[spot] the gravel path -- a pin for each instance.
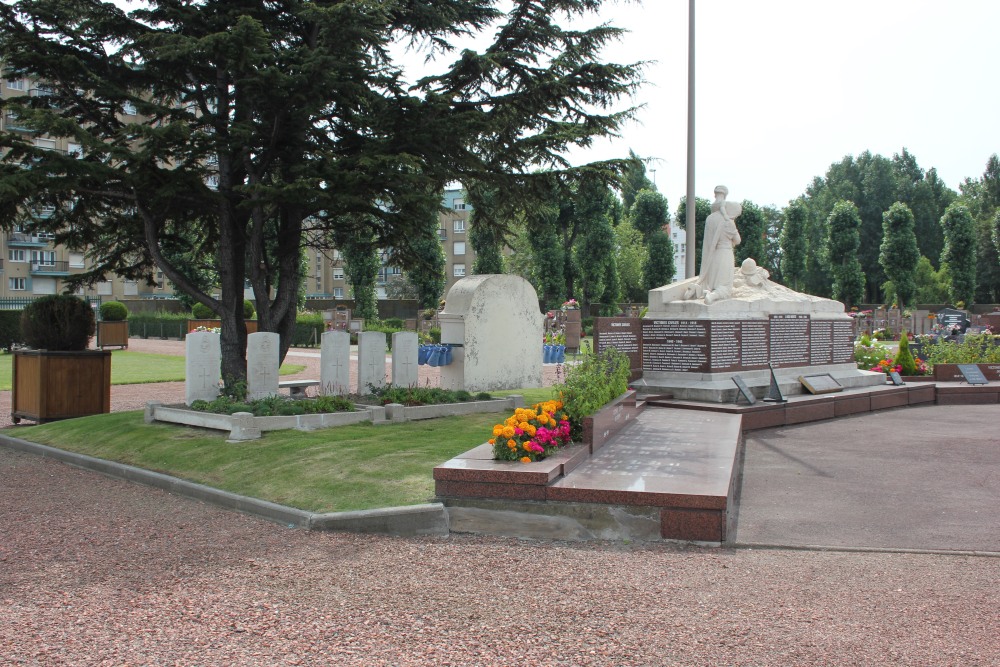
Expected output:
(96, 571)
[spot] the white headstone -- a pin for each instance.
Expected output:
(404, 358)
(202, 366)
(335, 363)
(262, 364)
(371, 360)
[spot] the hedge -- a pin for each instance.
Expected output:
(10, 328)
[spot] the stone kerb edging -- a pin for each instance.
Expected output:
(244, 426)
(406, 521)
(396, 412)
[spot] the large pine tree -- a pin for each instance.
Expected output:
(264, 127)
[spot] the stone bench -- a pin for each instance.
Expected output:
(297, 388)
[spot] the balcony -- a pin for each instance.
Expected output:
(22, 239)
(13, 123)
(52, 268)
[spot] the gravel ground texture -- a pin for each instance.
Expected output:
(96, 571)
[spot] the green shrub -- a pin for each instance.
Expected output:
(274, 406)
(61, 322)
(413, 396)
(976, 349)
(904, 359)
(595, 381)
(114, 311)
(435, 334)
(202, 312)
(10, 328)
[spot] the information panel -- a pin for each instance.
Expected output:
(675, 346)
(789, 340)
(625, 335)
(820, 342)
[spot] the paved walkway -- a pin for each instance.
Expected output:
(923, 477)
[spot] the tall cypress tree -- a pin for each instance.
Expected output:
(844, 225)
(960, 253)
(899, 253)
(793, 245)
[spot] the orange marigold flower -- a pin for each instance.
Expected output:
(492, 441)
(525, 459)
(498, 429)
(508, 431)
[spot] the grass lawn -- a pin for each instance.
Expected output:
(332, 470)
(138, 368)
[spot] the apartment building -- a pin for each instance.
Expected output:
(31, 264)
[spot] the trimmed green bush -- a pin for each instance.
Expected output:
(904, 358)
(114, 311)
(60, 322)
(10, 328)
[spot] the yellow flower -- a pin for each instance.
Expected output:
(523, 426)
(530, 430)
(498, 429)
(511, 444)
(508, 431)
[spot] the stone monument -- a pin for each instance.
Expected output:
(495, 327)
(371, 360)
(405, 348)
(701, 332)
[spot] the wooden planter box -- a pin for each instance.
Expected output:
(59, 385)
(211, 324)
(112, 334)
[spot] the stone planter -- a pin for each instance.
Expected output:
(396, 412)
(112, 334)
(607, 422)
(244, 426)
(950, 372)
(49, 385)
(211, 324)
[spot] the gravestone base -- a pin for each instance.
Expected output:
(720, 388)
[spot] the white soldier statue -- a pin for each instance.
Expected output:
(715, 280)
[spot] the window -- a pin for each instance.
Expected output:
(16, 284)
(104, 288)
(47, 144)
(459, 270)
(442, 233)
(337, 255)
(16, 256)
(43, 257)
(338, 292)
(76, 260)
(338, 273)
(458, 204)
(459, 248)
(128, 108)
(459, 226)
(15, 84)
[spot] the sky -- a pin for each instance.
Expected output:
(785, 88)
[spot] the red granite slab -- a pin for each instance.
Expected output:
(890, 398)
(458, 489)
(696, 525)
(610, 420)
(851, 404)
(668, 458)
(767, 416)
(922, 393)
(477, 465)
(968, 394)
(809, 411)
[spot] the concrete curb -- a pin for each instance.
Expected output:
(408, 521)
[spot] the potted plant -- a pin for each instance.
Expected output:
(112, 329)
(59, 377)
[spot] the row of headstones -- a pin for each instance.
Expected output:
(203, 363)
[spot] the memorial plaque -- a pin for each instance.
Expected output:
(754, 348)
(820, 342)
(744, 390)
(674, 345)
(843, 342)
(789, 340)
(774, 394)
(820, 384)
(951, 317)
(972, 374)
(724, 346)
(625, 335)
(896, 379)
